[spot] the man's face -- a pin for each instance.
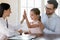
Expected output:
(50, 9)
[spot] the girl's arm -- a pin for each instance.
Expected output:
(31, 26)
(41, 26)
(28, 23)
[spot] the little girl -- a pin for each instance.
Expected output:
(35, 27)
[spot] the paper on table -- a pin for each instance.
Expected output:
(27, 36)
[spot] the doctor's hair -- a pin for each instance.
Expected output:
(37, 12)
(54, 2)
(3, 6)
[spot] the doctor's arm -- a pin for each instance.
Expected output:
(4, 30)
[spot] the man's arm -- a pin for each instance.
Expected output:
(46, 31)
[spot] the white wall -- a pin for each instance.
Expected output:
(13, 19)
(58, 11)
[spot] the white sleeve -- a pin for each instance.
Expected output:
(3, 37)
(16, 27)
(22, 26)
(4, 30)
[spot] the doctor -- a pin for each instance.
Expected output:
(50, 20)
(4, 13)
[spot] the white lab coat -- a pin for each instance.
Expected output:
(3, 37)
(52, 24)
(10, 31)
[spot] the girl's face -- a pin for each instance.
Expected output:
(33, 15)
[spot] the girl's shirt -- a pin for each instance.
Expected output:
(35, 30)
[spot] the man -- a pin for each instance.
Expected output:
(50, 20)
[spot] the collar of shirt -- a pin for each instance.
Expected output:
(2, 19)
(51, 16)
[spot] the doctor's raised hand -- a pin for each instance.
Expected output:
(25, 16)
(22, 18)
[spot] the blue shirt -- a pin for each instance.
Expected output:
(51, 24)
